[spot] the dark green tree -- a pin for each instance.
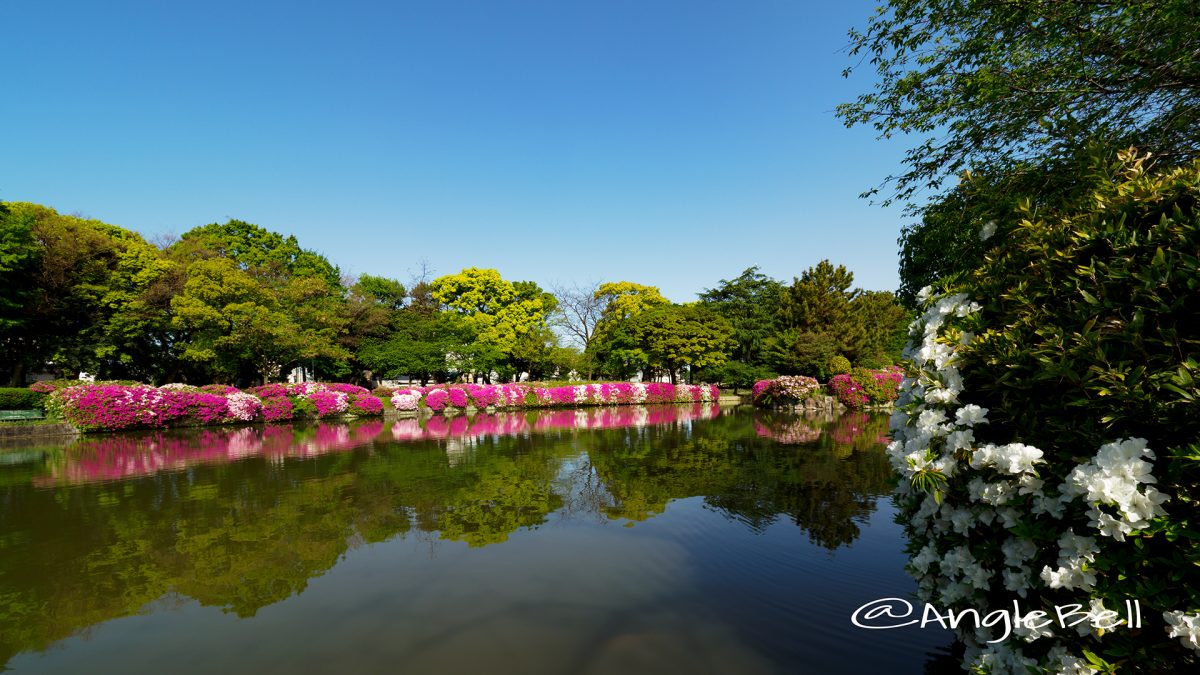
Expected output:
(751, 303)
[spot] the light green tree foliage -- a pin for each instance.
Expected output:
(613, 348)
(502, 313)
(82, 294)
(626, 299)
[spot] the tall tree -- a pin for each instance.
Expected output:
(239, 328)
(502, 313)
(751, 303)
(1003, 87)
(289, 303)
(256, 250)
(665, 339)
(1023, 100)
(78, 295)
(626, 299)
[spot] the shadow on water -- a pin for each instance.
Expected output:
(245, 518)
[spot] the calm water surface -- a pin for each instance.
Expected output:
(620, 540)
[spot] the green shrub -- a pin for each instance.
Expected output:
(302, 407)
(12, 398)
(838, 365)
(1083, 343)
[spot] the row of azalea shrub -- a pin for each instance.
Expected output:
(437, 398)
(860, 388)
(112, 406)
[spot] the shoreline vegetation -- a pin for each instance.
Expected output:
(117, 406)
(86, 407)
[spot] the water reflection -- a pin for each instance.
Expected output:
(244, 518)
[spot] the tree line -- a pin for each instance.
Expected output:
(237, 303)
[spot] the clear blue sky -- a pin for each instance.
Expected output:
(671, 143)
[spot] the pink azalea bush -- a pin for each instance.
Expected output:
(112, 406)
(366, 404)
(437, 398)
(863, 386)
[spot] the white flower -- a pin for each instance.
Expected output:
(970, 415)
(988, 229)
(1186, 627)
(960, 440)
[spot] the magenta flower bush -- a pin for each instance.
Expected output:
(366, 404)
(437, 399)
(458, 397)
(329, 403)
(276, 409)
(863, 387)
(515, 395)
(110, 407)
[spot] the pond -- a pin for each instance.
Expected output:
(661, 539)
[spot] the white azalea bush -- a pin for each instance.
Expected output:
(1047, 437)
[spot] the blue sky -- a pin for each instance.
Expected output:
(668, 143)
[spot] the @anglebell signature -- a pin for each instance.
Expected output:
(888, 613)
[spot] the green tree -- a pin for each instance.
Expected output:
(1003, 87)
(751, 303)
(284, 306)
(504, 315)
(81, 295)
(417, 345)
(370, 308)
(19, 256)
(815, 315)
(1022, 101)
(801, 352)
(256, 250)
(238, 327)
(669, 337)
(885, 328)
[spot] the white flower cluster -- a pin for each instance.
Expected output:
(1186, 627)
(639, 393)
(954, 485)
(1112, 479)
(1075, 555)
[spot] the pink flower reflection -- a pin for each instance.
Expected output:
(131, 455)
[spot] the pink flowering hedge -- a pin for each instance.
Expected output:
(437, 398)
(108, 407)
(865, 387)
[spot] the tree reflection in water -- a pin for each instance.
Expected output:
(243, 518)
